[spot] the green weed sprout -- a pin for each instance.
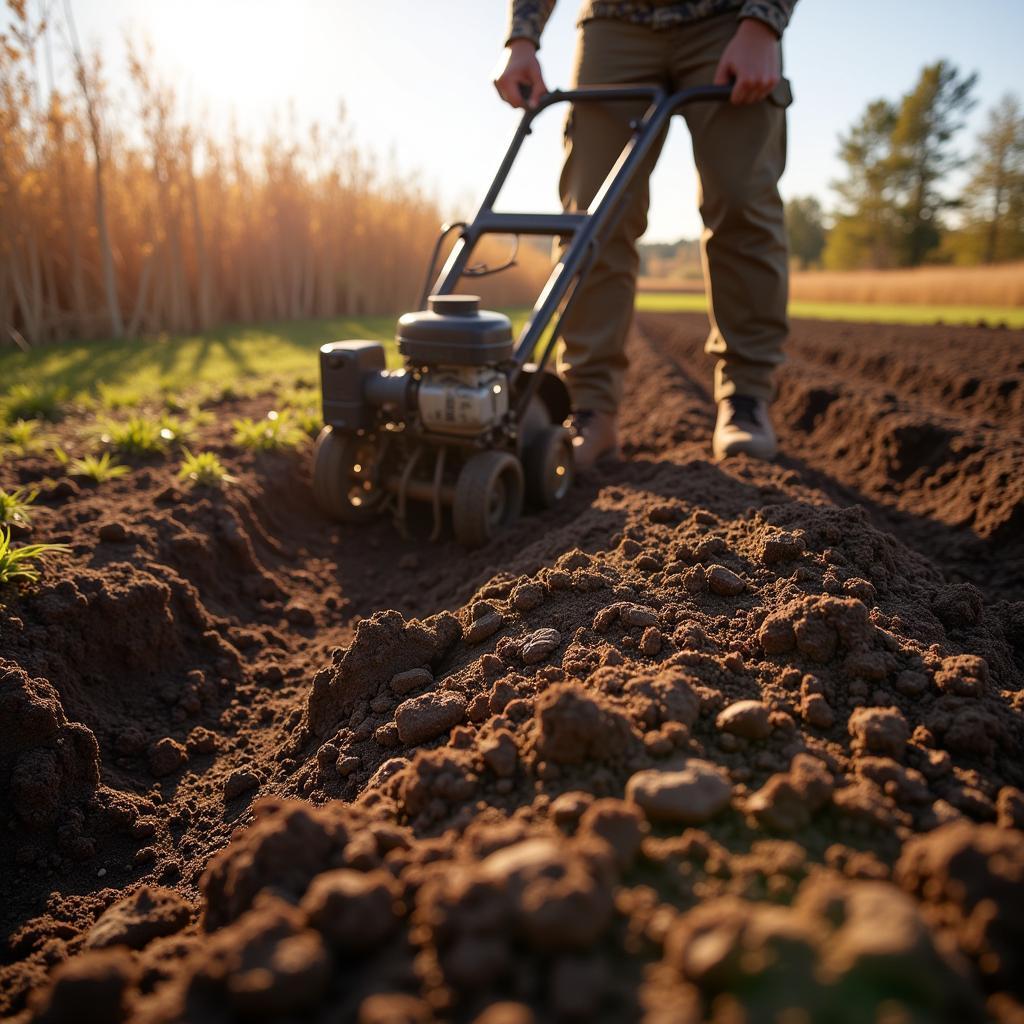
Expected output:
(23, 436)
(14, 506)
(17, 565)
(98, 469)
(267, 435)
(137, 436)
(203, 469)
(28, 402)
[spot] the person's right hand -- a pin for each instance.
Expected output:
(520, 74)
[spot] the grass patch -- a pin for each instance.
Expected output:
(15, 506)
(116, 374)
(97, 468)
(22, 437)
(267, 435)
(18, 565)
(138, 436)
(236, 362)
(880, 313)
(203, 469)
(29, 400)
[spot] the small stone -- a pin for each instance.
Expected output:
(166, 756)
(347, 764)
(724, 582)
(539, 644)
(527, 596)
(424, 718)
(690, 795)
(413, 679)
(637, 615)
(240, 781)
(747, 718)
(486, 626)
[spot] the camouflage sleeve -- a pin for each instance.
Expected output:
(774, 13)
(528, 19)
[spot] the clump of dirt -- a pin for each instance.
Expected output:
(702, 746)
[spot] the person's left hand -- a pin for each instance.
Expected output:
(751, 62)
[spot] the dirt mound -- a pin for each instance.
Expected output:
(924, 424)
(702, 746)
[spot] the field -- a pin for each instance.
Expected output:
(993, 295)
(709, 742)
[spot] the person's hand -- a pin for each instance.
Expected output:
(751, 62)
(520, 74)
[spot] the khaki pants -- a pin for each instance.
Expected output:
(740, 153)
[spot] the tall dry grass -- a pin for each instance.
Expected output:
(132, 218)
(997, 285)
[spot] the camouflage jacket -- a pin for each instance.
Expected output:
(530, 16)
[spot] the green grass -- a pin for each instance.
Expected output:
(178, 372)
(267, 435)
(22, 436)
(115, 374)
(14, 506)
(203, 469)
(18, 565)
(891, 313)
(97, 468)
(138, 436)
(28, 399)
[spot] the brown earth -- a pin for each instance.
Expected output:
(708, 743)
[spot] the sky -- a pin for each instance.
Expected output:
(415, 77)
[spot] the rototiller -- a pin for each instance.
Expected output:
(471, 422)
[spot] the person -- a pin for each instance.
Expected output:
(740, 152)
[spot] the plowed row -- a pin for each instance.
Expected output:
(709, 743)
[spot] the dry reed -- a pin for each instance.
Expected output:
(997, 285)
(136, 220)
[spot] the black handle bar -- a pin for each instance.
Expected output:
(587, 230)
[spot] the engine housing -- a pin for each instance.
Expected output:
(463, 400)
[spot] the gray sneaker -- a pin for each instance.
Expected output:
(744, 425)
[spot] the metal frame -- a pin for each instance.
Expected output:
(587, 230)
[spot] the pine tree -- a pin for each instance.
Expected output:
(994, 197)
(864, 234)
(929, 118)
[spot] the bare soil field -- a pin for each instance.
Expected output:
(708, 743)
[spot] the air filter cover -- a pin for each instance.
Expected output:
(455, 331)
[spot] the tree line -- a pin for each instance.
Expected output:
(896, 202)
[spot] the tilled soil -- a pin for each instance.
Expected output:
(708, 743)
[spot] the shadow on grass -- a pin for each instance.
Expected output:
(177, 363)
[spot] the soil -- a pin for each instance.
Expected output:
(706, 743)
